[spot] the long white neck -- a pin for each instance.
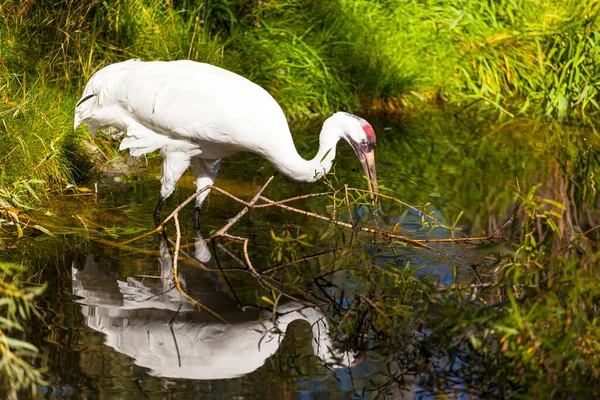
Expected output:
(292, 165)
(321, 343)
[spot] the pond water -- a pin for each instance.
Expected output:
(113, 324)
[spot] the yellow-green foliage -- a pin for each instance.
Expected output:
(15, 370)
(315, 57)
(320, 56)
(34, 127)
(530, 52)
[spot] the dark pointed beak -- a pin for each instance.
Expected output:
(368, 163)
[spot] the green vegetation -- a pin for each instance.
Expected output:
(495, 320)
(525, 324)
(521, 321)
(527, 327)
(315, 57)
(16, 301)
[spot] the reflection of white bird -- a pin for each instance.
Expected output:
(164, 333)
(205, 350)
(197, 113)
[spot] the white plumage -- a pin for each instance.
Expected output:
(161, 329)
(197, 113)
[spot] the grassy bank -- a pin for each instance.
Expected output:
(318, 57)
(315, 57)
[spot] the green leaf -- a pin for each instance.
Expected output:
(554, 203)
(457, 219)
(30, 190)
(42, 229)
(19, 344)
(268, 300)
(325, 155)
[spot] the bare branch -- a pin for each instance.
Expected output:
(244, 210)
(176, 274)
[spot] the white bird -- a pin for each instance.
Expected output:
(197, 113)
(163, 331)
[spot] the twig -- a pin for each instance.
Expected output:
(173, 334)
(233, 256)
(263, 282)
(160, 227)
(176, 345)
(305, 196)
(494, 235)
(377, 309)
(354, 223)
(261, 278)
(176, 274)
(175, 315)
(458, 240)
(498, 231)
(348, 204)
(403, 239)
(218, 262)
(193, 260)
(573, 240)
(309, 257)
(244, 210)
(415, 209)
(489, 237)
(328, 297)
(328, 183)
(198, 193)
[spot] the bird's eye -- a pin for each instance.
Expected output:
(365, 142)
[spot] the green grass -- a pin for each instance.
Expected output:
(17, 372)
(509, 58)
(33, 134)
(318, 57)
(315, 57)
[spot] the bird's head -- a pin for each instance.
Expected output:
(361, 136)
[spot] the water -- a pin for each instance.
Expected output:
(113, 325)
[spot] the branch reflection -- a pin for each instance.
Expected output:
(152, 322)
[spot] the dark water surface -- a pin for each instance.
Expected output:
(113, 326)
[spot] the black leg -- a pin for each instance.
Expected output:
(162, 235)
(157, 211)
(196, 218)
